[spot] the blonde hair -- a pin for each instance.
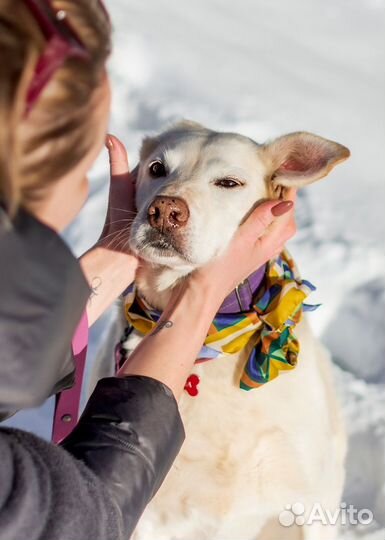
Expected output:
(61, 123)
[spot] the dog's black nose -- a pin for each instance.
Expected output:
(168, 213)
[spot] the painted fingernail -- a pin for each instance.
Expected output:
(281, 208)
(109, 142)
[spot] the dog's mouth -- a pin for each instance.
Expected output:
(157, 245)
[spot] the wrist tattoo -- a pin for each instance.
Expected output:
(160, 326)
(95, 285)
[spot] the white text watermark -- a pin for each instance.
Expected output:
(343, 515)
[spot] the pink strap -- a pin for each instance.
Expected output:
(67, 403)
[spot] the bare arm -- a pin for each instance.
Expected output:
(108, 273)
(169, 352)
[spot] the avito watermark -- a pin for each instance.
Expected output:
(343, 515)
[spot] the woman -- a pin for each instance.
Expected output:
(54, 108)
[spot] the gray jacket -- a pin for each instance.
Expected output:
(98, 482)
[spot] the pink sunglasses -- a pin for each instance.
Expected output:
(62, 43)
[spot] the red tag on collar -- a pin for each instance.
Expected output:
(191, 385)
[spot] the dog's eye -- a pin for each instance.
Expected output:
(227, 183)
(157, 169)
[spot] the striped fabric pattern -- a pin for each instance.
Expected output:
(267, 329)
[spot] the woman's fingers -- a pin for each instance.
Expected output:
(118, 156)
(263, 217)
(279, 232)
(281, 228)
(282, 208)
(121, 203)
(122, 188)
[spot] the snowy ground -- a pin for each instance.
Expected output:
(264, 68)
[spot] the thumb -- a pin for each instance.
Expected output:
(122, 188)
(118, 156)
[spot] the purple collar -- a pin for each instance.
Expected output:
(241, 298)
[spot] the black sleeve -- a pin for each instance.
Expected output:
(43, 294)
(98, 483)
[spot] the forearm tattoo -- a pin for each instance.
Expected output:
(95, 285)
(160, 326)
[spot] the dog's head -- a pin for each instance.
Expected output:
(195, 186)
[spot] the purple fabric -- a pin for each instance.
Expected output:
(234, 303)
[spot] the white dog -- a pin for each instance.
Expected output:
(248, 454)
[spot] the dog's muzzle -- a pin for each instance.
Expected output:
(167, 214)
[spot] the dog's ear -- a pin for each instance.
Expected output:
(187, 125)
(298, 159)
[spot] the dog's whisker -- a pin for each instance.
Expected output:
(123, 210)
(129, 220)
(121, 244)
(116, 237)
(120, 240)
(114, 234)
(124, 229)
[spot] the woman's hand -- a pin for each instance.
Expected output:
(121, 203)
(109, 266)
(261, 237)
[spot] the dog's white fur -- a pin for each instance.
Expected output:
(247, 454)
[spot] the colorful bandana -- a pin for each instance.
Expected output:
(267, 327)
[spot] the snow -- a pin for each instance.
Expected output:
(264, 68)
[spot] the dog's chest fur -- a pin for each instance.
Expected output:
(247, 454)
